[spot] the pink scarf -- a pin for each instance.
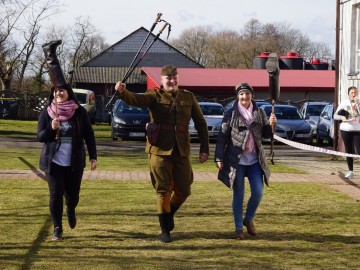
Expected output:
(65, 110)
(247, 113)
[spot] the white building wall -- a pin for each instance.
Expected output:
(349, 46)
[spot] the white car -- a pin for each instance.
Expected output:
(213, 113)
(86, 98)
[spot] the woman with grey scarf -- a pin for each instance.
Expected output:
(239, 153)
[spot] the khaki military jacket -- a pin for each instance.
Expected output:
(184, 108)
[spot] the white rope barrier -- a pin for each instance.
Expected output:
(313, 148)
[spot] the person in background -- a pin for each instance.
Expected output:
(349, 113)
(168, 142)
(63, 126)
(239, 153)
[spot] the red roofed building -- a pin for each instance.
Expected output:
(299, 80)
(296, 85)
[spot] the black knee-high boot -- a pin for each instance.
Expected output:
(171, 219)
(164, 225)
(55, 71)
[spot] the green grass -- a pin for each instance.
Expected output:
(20, 158)
(28, 129)
(18, 128)
(300, 226)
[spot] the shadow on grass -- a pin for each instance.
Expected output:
(30, 256)
(347, 180)
(141, 232)
(193, 240)
(14, 133)
(33, 168)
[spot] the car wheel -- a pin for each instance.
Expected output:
(318, 139)
(112, 136)
(330, 140)
(311, 140)
(92, 117)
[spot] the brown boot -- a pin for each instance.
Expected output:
(239, 234)
(249, 224)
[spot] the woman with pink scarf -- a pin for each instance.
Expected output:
(239, 153)
(63, 127)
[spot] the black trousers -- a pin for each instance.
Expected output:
(63, 182)
(351, 142)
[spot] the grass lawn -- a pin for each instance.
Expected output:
(20, 158)
(300, 226)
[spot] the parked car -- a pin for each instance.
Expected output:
(311, 111)
(103, 114)
(290, 124)
(258, 102)
(9, 108)
(86, 98)
(128, 122)
(325, 125)
(213, 113)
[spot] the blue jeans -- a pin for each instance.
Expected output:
(255, 176)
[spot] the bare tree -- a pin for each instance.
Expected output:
(252, 42)
(20, 23)
(229, 49)
(318, 50)
(194, 43)
(80, 43)
(82, 30)
(224, 50)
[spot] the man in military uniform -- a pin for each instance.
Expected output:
(168, 142)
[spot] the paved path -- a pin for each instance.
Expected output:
(336, 181)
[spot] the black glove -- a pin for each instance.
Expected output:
(343, 112)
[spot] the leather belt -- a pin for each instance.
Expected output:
(178, 128)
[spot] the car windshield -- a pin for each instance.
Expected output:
(260, 103)
(80, 97)
(315, 110)
(289, 113)
(128, 109)
(212, 110)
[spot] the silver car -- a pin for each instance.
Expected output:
(290, 124)
(213, 113)
(325, 125)
(311, 112)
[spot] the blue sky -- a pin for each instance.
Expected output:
(115, 19)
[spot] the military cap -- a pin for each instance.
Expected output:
(169, 70)
(243, 86)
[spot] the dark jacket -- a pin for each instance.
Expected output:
(82, 130)
(186, 106)
(232, 140)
